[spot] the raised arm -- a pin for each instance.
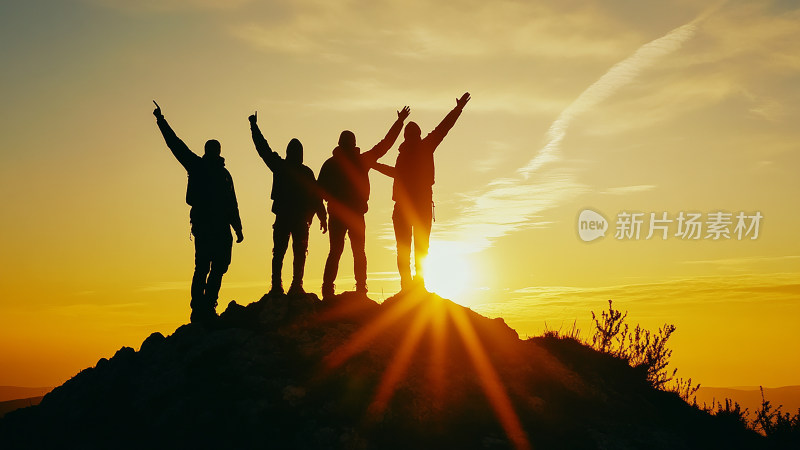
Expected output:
(262, 147)
(182, 153)
(436, 136)
(389, 171)
(382, 147)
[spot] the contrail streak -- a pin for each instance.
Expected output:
(618, 76)
(511, 202)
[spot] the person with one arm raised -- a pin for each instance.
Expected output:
(296, 198)
(344, 179)
(214, 210)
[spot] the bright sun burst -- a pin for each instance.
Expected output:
(448, 271)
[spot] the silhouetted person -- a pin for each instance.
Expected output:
(214, 211)
(344, 178)
(295, 199)
(412, 192)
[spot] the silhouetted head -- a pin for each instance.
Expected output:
(412, 133)
(212, 147)
(347, 140)
(294, 152)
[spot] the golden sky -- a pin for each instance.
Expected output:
(615, 106)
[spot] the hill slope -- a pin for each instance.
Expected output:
(414, 372)
(16, 393)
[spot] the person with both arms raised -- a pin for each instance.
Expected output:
(214, 211)
(344, 178)
(412, 192)
(295, 200)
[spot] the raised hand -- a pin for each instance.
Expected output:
(253, 118)
(402, 114)
(460, 102)
(157, 111)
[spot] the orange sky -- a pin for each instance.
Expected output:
(612, 106)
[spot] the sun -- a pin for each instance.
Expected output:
(448, 270)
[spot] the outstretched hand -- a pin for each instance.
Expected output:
(157, 111)
(253, 118)
(460, 102)
(239, 236)
(402, 114)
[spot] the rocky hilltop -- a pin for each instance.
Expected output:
(416, 371)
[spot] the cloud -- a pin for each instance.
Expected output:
(374, 94)
(83, 310)
(528, 308)
(508, 204)
(166, 286)
(625, 190)
(745, 260)
(435, 30)
(169, 5)
(618, 76)
(659, 100)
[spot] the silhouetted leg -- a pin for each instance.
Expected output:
(202, 265)
(299, 249)
(422, 237)
(402, 233)
(336, 233)
(357, 243)
(219, 265)
(280, 242)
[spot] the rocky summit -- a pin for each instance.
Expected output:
(416, 371)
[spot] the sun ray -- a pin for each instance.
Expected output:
(402, 359)
(431, 312)
(489, 380)
(438, 335)
(389, 315)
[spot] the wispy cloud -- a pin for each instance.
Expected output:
(745, 260)
(165, 286)
(509, 204)
(618, 76)
(368, 93)
(625, 190)
(415, 30)
(169, 5)
(528, 308)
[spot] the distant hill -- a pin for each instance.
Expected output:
(13, 405)
(16, 392)
(416, 371)
(788, 396)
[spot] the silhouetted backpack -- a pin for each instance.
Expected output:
(295, 191)
(210, 192)
(345, 180)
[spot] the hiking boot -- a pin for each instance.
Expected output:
(328, 291)
(419, 283)
(203, 316)
(277, 289)
(406, 285)
(296, 290)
